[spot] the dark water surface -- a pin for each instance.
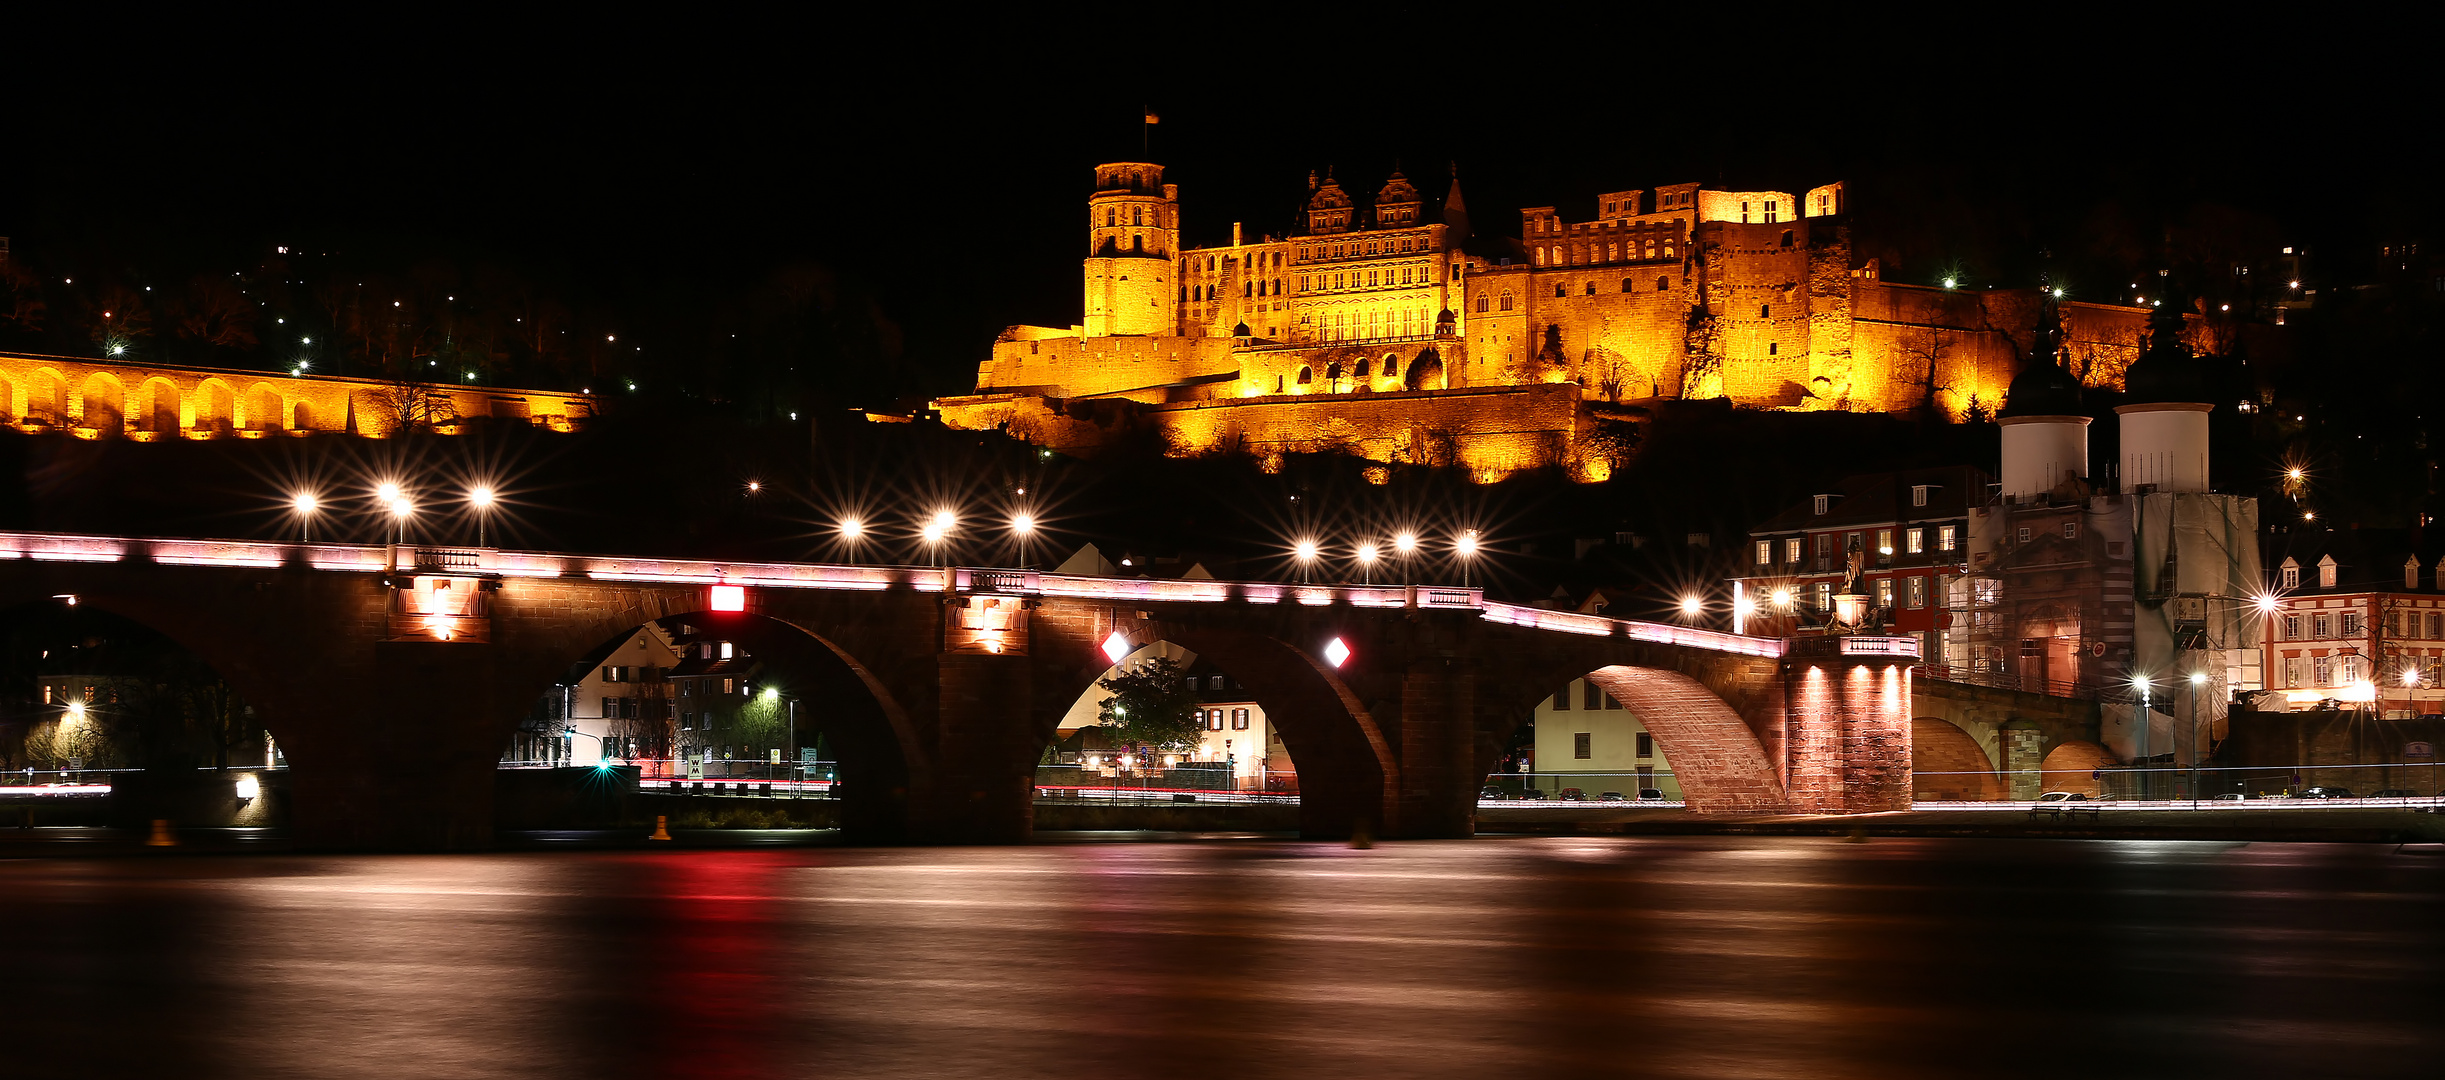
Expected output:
(1707, 957)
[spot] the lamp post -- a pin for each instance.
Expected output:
(1366, 562)
(1023, 526)
(1466, 548)
(2140, 738)
(1406, 543)
(1306, 554)
(401, 510)
(481, 497)
(303, 505)
(934, 533)
(2190, 740)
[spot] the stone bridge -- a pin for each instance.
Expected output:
(394, 676)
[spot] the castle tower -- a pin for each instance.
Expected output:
(2164, 425)
(1133, 230)
(2045, 436)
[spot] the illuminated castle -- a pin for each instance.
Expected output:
(1383, 331)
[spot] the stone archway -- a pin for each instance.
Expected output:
(1348, 770)
(105, 403)
(882, 753)
(158, 412)
(1721, 765)
(1947, 765)
(1425, 372)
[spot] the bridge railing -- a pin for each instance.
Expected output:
(445, 560)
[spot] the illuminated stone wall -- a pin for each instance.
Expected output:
(98, 399)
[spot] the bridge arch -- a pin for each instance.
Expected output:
(869, 712)
(252, 671)
(1719, 761)
(8, 400)
(1348, 771)
(1947, 765)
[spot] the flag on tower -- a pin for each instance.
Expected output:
(1151, 118)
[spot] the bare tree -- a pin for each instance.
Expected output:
(408, 405)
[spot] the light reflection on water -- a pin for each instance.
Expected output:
(1496, 957)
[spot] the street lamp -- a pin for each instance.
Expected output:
(1466, 548)
(303, 505)
(1306, 553)
(1406, 543)
(1023, 525)
(935, 533)
(1366, 562)
(2190, 736)
(1692, 607)
(2147, 710)
(482, 499)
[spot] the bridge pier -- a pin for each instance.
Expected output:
(980, 786)
(1849, 734)
(410, 762)
(1437, 796)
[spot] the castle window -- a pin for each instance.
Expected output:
(1786, 238)
(1663, 284)
(1744, 213)
(1626, 285)
(1540, 256)
(1591, 288)
(1668, 249)
(1770, 215)
(1306, 376)
(1613, 252)
(1562, 289)
(1482, 303)
(1361, 371)
(1137, 215)
(1112, 215)
(1770, 347)
(1506, 299)
(1247, 288)
(1763, 312)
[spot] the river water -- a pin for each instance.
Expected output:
(1497, 957)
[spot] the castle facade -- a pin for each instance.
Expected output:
(1400, 335)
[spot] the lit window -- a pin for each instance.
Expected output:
(1917, 592)
(1765, 552)
(2325, 667)
(1825, 595)
(1791, 551)
(1884, 592)
(1914, 541)
(2322, 624)
(1944, 537)
(2351, 623)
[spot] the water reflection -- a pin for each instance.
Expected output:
(1616, 957)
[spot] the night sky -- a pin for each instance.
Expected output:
(653, 171)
